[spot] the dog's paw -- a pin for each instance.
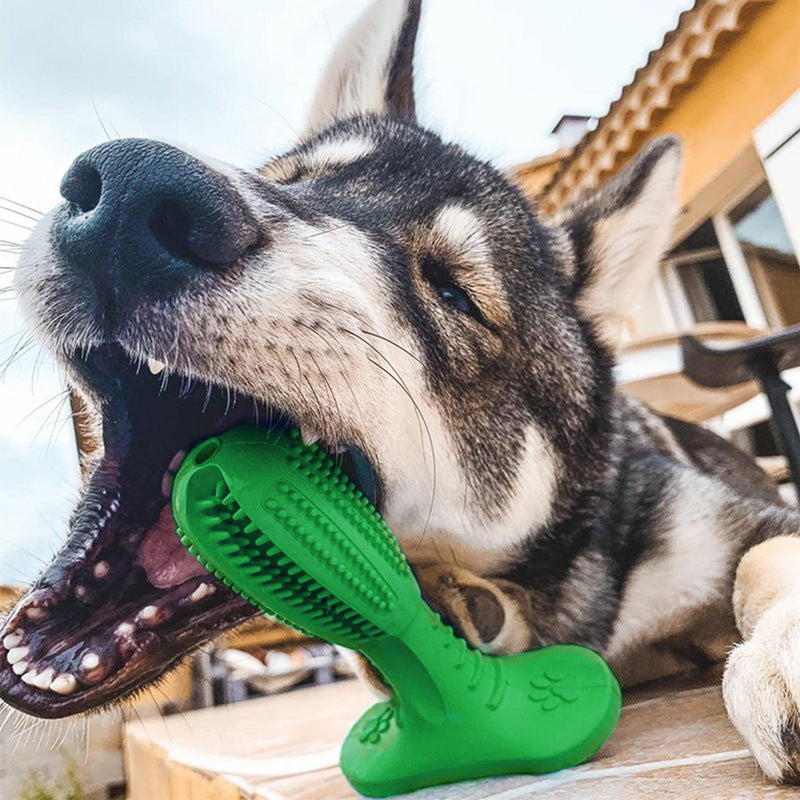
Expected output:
(490, 613)
(761, 688)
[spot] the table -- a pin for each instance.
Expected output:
(674, 741)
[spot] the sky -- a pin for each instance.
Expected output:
(233, 79)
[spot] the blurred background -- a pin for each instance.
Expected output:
(562, 94)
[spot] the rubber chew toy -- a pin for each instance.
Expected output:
(278, 522)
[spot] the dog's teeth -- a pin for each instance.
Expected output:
(44, 678)
(125, 629)
(155, 366)
(148, 613)
(309, 435)
(177, 460)
(101, 569)
(30, 676)
(64, 684)
(36, 613)
(202, 591)
(80, 591)
(17, 654)
(152, 616)
(338, 449)
(90, 661)
(20, 667)
(92, 668)
(166, 485)
(12, 640)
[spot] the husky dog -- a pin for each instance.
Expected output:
(401, 302)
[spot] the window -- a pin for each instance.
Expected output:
(739, 265)
(765, 244)
(704, 279)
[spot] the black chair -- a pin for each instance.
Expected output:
(764, 359)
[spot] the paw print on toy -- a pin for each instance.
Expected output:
(551, 689)
(375, 729)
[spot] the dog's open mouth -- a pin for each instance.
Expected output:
(123, 600)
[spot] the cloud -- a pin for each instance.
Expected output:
(234, 78)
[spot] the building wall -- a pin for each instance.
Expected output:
(752, 76)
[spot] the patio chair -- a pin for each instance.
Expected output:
(763, 358)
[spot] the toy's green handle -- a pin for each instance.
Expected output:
(459, 714)
(279, 523)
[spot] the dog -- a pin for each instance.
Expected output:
(403, 304)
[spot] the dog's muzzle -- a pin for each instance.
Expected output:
(143, 217)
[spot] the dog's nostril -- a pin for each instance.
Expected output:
(155, 217)
(82, 186)
(170, 224)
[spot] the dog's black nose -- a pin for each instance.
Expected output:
(144, 216)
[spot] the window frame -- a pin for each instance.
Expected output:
(755, 311)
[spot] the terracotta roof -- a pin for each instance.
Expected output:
(543, 160)
(673, 66)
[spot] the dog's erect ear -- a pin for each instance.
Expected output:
(618, 235)
(372, 69)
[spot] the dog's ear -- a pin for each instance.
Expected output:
(618, 235)
(372, 69)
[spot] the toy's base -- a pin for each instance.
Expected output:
(555, 708)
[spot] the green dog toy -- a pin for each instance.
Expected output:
(279, 523)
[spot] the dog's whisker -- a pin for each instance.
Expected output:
(18, 353)
(337, 352)
(58, 397)
(53, 415)
(11, 210)
(394, 370)
(59, 424)
(22, 205)
(4, 221)
(393, 343)
(100, 119)
(346, 377)
(332, 229)
(430, 442)
(282, 117)
(325, 380)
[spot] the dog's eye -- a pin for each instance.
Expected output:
(440, 277)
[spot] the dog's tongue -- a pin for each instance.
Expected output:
(164, 558)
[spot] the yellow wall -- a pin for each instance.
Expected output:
(737, 91)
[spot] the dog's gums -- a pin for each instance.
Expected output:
(124, 599)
